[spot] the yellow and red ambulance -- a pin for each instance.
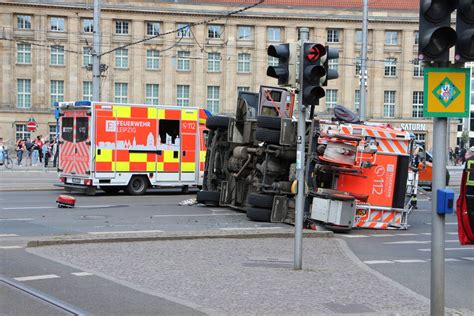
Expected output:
(132, 147)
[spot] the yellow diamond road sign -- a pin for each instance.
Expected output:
(446, 92)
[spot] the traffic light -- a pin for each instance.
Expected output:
(436, 36)
(331, 53)
(465, 32)
(285, 72)
(313, 71)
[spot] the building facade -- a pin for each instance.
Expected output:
(187, 52)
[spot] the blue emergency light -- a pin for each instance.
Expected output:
(445, 201)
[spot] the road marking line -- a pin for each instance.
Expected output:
(468, 258)
(448, 223)
(452, 233)
(451, 260)
(126, 232)
(427, 234)
(28, 208)
(16, 219)
(81, 273)
(407, 242)
(8, 235)
(95, 206)
(37, 277)
(448, 249)
(377, 261)
(354, 236)
(248, 228)
(199, 215)
(10, 247)
(407, 234)
(410, 261)
(382, 235)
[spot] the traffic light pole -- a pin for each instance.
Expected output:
(96, 53)
(300, 159)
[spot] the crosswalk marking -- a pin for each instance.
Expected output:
(37, 277)
(81, 273)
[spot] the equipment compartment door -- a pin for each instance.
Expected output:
(66, 145)
(189, 144)
(169, 146)
(82, 143)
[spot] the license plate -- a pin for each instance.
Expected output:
(76, 181)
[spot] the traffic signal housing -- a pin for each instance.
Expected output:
(436, 36)
(313, 71)
(285, 71)
(331, 53)
(465, 32)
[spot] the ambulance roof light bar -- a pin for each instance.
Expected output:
(75, 104)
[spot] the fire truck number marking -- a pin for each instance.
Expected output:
(189, 125)
(377, 187)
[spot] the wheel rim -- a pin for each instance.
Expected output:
(138, 185)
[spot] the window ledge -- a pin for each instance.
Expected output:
(23, 64)
(59, 66)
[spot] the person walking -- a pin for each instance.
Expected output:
(20, 147)
(46, 153)
(55, 151)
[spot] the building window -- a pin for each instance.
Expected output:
(274, 34)
(152, 59)
(23, 53)
(182, 95)
(331, 98)
(57, 91)
(121, 27)
(87, 90)
(151, 94)
(358, 37)
(357, 100)
(417, 104)
(391, 38)
(243, 63)
(245, 33)
(273, 61)
(56, 24)
(153, 28)
(23, 22)
(390, 67)
(358, 65)
(389, 103)
(86, 56)
(184, 63)
(121, 58)
(121, 92)
(52, 132)
(88, 25)
(420, 137)
(21, 132)
(333, 36)
(57, 55)
(213, 62)
(242, 88)
(213, 99)
(333, 64)
(23, 97)
(214, 31)
(417, 68)
(184, 30)
(417, 37)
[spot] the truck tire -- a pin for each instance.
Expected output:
(111, 189)
(258, 214)
(217, 121)
(268, 135)
(271, 122)
(338, 229)
(137, 186)
(208, 197)
(260, 200)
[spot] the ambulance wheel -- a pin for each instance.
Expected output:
(268, 135)
(272, 122)
(90, 191)
(258, 214)
(68, 189)
(217, 121)
(260, 200)
(137, 186)
(208, 197)
(111, 190)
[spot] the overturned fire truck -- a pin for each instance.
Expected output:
(355, 173)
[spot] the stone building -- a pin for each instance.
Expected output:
(45, 55)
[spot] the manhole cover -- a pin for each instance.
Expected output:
(93, 217)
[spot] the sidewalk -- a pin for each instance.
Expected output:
(238, 276)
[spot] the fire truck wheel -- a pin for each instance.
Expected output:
(217, 121)
(208, 197)
(137, 186)
(268, 135)
(272, 122)
(260, 200)
(111, 190)
(259, 214)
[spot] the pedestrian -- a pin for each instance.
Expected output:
(37, 151)
(451, 155)
(55, 151)
(2, 149)
(462, 155)
(20, 147)
(46, 153)
(29, 151)
(469, 153)
(456, 155)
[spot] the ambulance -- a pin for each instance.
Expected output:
(131, 147)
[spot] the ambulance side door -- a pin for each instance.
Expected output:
(168, 146)
(66, 145)
(82, 143)
(189, 145)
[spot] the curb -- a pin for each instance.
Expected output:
(237, 234)
(23, 189)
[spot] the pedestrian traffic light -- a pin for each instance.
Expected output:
(436, 36)
(331, 53)
(465, 32)
(313, 71)
(285, 71)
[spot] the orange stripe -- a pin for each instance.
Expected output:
(400, 148)
(387, 145)
(389, 218)
(377, 216)
(370, 132)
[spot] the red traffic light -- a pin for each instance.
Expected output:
(315, 52)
